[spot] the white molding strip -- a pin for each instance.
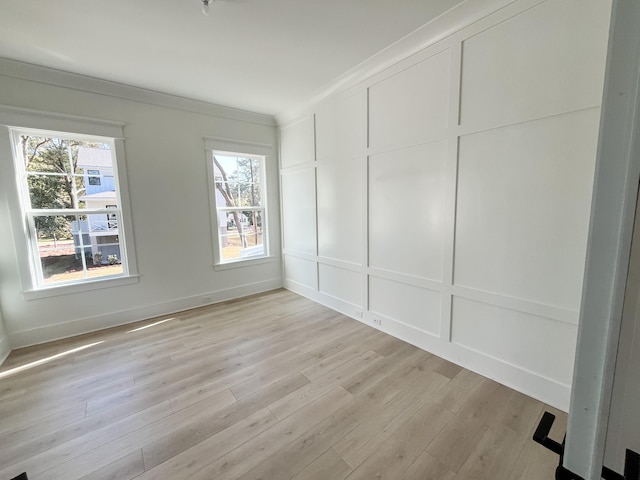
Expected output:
(551, 312)
(49, 333)
(298, 254)
(36, 119)
(50, 76)
(421, 282)
(342, 264)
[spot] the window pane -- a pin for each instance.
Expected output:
(238, 187)
(66, 173)
(226, 166)
(48, 191)
(242, 185)
(60, 171)
(256, 195)
(242, 236)
(69, 249)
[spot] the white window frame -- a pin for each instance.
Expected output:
(14, 121)
(247, 150)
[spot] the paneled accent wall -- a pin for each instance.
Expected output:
(446, 199)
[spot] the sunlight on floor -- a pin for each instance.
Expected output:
(150, 325)
(42, 361)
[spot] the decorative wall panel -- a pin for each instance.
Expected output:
(549, 59)
(340, 218)
(406, 209)
(299, 210)
(526, 341)
(412, 106)
(405, 303)
(524, 196)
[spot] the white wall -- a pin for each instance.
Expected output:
(5, 348)
(447, 197)
(167, 177)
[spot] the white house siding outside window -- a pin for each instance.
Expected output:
(70, 203)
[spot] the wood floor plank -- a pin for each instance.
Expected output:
(495, 455)
(124, 468)
(534, 462)
(299, 454)
(409, 380)
(272, 387)
(519, 412)
(328, 465)
(192, 433)
(334, 361)
(457, 441)
(252, 385)
(26, 419)
(426, 467)
(226, 376)
(485, 403)
(300, 398)
(455, 395)
(366, 379)
(368, 437)
(443, 367)
(260, 448)
(401, 449)
(189, 461)
(24, 446)
(40, 460)
(92, 451)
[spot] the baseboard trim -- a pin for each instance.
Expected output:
(59, 331)
(525, 381)
(301, 289)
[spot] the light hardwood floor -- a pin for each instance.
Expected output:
(272, 386)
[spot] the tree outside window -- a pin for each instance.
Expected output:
(239, 191)
(67, 224)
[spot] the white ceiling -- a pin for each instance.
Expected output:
(257, 55)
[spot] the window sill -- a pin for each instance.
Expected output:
(87, 286)
(243, 263)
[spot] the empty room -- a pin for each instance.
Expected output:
(319, 240)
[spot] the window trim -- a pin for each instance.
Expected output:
(15, 119)
(250, 150)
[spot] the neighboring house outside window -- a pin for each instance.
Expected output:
(100, 194)
(70, 204)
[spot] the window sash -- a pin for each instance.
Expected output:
(240, 209)
(80, 248)
(261, 209)
(73, 211)
(30, 214)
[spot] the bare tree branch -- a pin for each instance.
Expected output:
(24, 139)
(226, 193)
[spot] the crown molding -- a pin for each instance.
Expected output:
(49, 76)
